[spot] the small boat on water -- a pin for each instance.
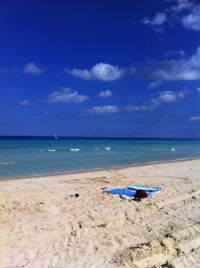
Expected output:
(55, 137)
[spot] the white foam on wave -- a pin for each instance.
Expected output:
(107, 148)
(96, 149)
(48, 150)
(6, 163)
(173, 149)
(74, 149)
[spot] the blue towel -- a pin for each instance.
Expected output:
(122, 191)
(145, 188)
(130, 191)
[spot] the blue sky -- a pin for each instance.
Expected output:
(100, 68)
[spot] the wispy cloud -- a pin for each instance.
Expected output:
(105, 94)
(33, 69)
(194, 118)
(175, 52)
(155, 83)
(198, 89)
(183, 69)
(157, 20)
(192, 21)
(137, 108)
(184, 12)
(109, 109)
(151, 105)
(25, 103)
(181, 5)
(100, 71)
(155, 103)
(66, 95)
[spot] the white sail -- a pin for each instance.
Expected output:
(55, 136)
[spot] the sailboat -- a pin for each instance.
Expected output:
(55, 137)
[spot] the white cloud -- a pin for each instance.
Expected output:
(33, 69)
(100, 71)
(109, 109)
(185, 11)
(155, 103)
(181, 5)
(81, 73)
(136, 108)
(167, 96)
(183, 69)
(198, 89)
(192, 21)
(105, 93)
(66, 95)
(157, 20)
(152, 104)
(194, 118)
(25, 103)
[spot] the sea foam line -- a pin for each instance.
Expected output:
(74, 149)
(7, 163)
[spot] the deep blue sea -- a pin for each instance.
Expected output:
(23, 157)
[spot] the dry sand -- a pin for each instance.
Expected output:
(41, 225)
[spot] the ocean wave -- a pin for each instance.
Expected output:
(48, 150)
(6, 163)
(74, 149)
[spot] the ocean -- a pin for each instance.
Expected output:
(28, 156)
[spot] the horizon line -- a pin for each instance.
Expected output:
(96, 137)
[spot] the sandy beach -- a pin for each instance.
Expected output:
(44, 225)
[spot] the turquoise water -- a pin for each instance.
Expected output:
(28, 157)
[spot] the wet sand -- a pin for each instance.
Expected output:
(43, 224)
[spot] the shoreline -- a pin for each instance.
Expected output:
(97, 169)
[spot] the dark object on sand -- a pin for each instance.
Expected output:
(74, 195)
(140, 194)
